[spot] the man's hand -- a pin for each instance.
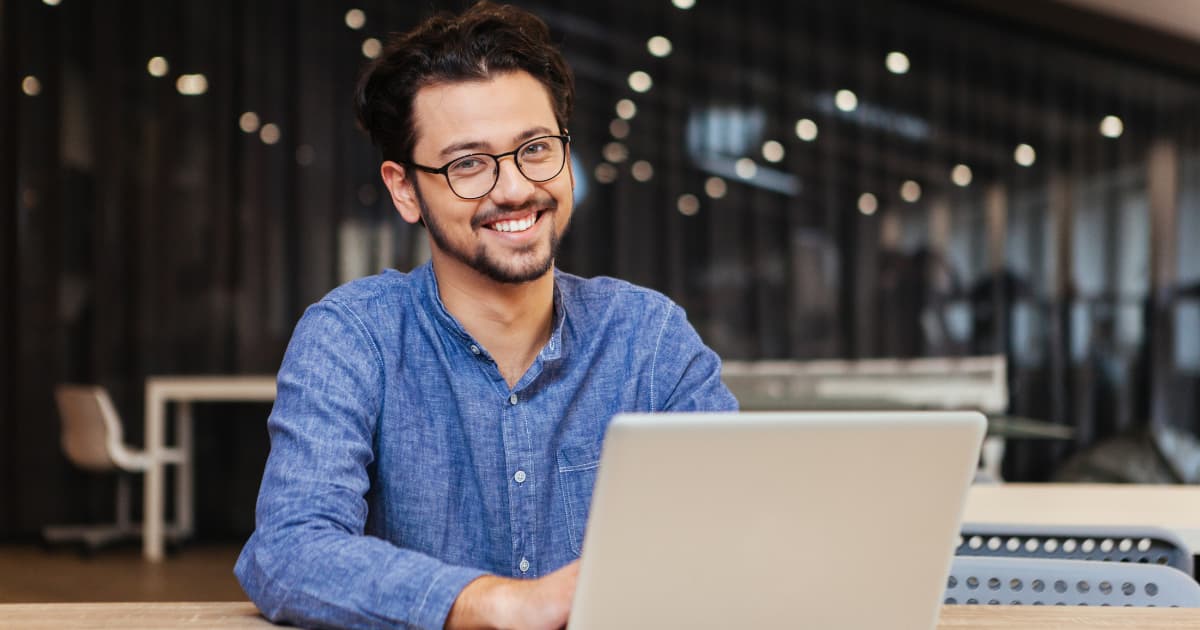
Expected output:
(508, 604)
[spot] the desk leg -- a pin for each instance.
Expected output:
(185, 472)
(152, 500)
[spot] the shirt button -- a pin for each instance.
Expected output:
(512, 400)
(474, 349)
(520, 476)
(524, 566)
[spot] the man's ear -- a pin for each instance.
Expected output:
(570, 165)
(400, 187)
(571, 170)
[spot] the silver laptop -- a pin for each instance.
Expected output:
(775, 520)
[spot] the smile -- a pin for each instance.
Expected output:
(515, 225)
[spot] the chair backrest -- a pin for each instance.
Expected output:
(1141, 545)
(91, 428)
(1043, 582)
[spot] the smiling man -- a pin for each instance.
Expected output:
(436, 434)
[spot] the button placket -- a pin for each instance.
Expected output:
(520, 485)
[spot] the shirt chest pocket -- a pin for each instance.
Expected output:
(577, 466)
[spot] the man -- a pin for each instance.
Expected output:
(435, 437)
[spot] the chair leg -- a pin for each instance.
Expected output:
(124, 521)
(94, 536)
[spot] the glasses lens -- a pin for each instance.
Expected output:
(472, 176)
(541, 159)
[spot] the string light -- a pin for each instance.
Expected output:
(626, 109)
(615, 152)
(715, 187)
(806, 130)
(1111, 127)
(355, 19)
(688, 204)
(640, 81)
(31, 86)
(1024, 155)
(896, 62)
(269, 133)
(745, 168)
(371, 48)
(961, 175)
(605, 173)
(659, 46)
(158, 66)
(772, 151)
(191, 84)
(846, 100)
(248, 122)
(867, 203)
(642, 171)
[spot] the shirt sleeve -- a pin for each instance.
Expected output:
(309, 561)
(686, 374)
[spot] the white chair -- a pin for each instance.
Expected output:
(93, 440)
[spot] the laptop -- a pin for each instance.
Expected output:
(775, 520)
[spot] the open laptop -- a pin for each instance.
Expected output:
(775, 520)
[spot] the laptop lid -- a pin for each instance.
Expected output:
(771, 520)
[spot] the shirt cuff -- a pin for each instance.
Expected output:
(447, 583)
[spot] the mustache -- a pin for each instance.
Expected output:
(491, 214)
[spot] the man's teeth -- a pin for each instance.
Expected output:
(517, 225)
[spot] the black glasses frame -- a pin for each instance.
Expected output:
(444, 170)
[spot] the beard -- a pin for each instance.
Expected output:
(511, 269)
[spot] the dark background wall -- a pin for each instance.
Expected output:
(143, 231)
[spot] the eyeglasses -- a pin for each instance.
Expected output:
(473, 176)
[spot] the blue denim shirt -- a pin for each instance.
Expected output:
(402, 466)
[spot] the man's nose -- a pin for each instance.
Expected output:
(512, 187)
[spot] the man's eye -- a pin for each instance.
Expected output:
(536, 147)
(467, 164)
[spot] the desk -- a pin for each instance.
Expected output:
(184, 390)
(131, 615)
(1176, 508)
(245, 616)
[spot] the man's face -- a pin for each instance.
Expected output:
(511, 234)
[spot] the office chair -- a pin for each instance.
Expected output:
(1043, 582)
(1142, 545)
(92, 439)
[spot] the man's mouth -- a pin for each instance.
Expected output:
(515, 224)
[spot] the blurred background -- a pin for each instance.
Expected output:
(809, 179)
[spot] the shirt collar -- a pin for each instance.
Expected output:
(551, 351)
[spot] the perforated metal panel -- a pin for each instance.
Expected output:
(1043, 582)
(1143, 545)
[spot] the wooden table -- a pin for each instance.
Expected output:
(134, 616)
(183, 390)
(1176, 508)
(222, 615)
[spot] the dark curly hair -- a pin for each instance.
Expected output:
(484, 40)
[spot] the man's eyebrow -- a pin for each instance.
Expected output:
(533, 133)
(473, 146)
(477, 146)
